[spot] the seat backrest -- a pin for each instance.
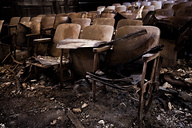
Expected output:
(121, 8)
(13, 21)
(164, 12)
(25, 19)
(157, 4)
(84, 22)
(52, 15)
(184, 11)
(104, 21)
(111, 7)
(179, 20)
(62, 14)
(36, 19)
(167, 5)
(98, 32)
(93, 15)
(22, 30)
(124, 22)
(63, 31)
(35, 27)
(47, 22)
(60, 20)
(127, 50)
(41, 15)
(108, 13)
(74, 15)
(100, 8)
(83, 14)
(129, 15)
(116, 4)
(181, 5)
(145, 3)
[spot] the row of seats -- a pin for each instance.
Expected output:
(130, 10)
(27, 27)
(91, 26)
(40, 25)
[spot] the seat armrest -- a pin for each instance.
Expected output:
(34, 34)
(102, 49)
(150, 56)
(42, 40)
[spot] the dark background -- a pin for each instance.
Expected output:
(10, 8)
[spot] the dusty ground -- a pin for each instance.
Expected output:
(41, 104)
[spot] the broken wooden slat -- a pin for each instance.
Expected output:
(74, 119)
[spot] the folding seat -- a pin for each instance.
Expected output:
(81, 58)
(106, 55)
(12, 24)
(16, 37)
(121, 56)
(50, 56)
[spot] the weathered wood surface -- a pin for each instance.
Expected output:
(78, 43)
(74, 119)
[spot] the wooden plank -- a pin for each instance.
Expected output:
(74, 119)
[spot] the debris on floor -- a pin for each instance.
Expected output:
(38, 102)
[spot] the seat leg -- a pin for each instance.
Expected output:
(14, 45)
(95, 62)
(61, 69)
(141, 103)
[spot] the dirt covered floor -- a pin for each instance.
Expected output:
(41, 104)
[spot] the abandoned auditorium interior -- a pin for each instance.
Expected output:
(95, 64)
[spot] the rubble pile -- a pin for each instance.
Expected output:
(38, 102)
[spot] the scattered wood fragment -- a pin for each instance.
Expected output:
(168, 78)
(74, 119)
(181, 94)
